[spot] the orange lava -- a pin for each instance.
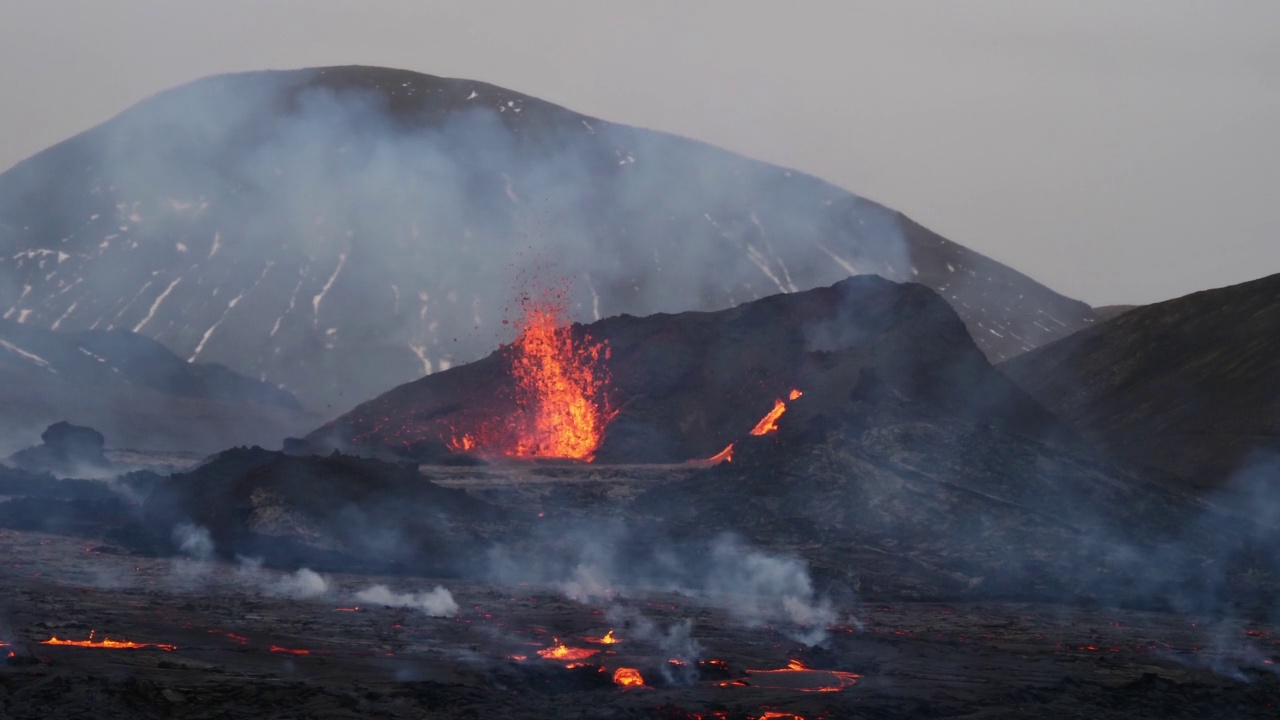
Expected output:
(560, 651)
(560, 391)
(769, 423)
(608, 639)
(628, 677)
(353, 608)
(796, 676)
(725, 455)
(108, 644)
(775, 715)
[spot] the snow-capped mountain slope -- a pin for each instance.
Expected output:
(339, 231)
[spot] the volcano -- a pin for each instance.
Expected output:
(338, 231)
(686, 385)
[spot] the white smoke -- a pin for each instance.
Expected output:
(193, 541)
(303, 584)
(436, 603)
(760, 588)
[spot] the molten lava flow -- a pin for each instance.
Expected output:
(628, 677)
(108, 644)
(560, 651)
(768, 423)
(725, 455)
(796, 676)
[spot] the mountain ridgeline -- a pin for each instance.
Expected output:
(339, 231)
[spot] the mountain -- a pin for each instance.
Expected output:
(136, 392)
(341, 230)
(1190, 386)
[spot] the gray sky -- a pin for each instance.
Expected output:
(1119, 151)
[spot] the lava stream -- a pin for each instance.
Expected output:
(108, 643)
(769, 423)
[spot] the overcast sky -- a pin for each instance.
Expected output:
(1120, 151)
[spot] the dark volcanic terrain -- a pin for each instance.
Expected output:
(343, 230)
(1189, 386)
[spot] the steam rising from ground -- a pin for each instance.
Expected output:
(436, 603)
(193, 541)
(754, 586)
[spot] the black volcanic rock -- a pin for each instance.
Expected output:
(65, 449)
(687, 385)
(342, 230)
(133, 390)
(327, 512)
(1190, 386)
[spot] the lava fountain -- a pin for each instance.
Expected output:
(560, 390)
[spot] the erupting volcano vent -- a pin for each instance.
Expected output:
(558, 389)
(562, 408)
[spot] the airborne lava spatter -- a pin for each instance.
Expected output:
(560, 391)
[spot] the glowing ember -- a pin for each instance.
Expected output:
(608, 639)
(560, 651)
(768, 423)
(628, 677)
(353, 608)
(108, 643)
(796, 676)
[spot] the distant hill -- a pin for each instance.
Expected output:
(1190, 386)
(136, 392)
(342, 230)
